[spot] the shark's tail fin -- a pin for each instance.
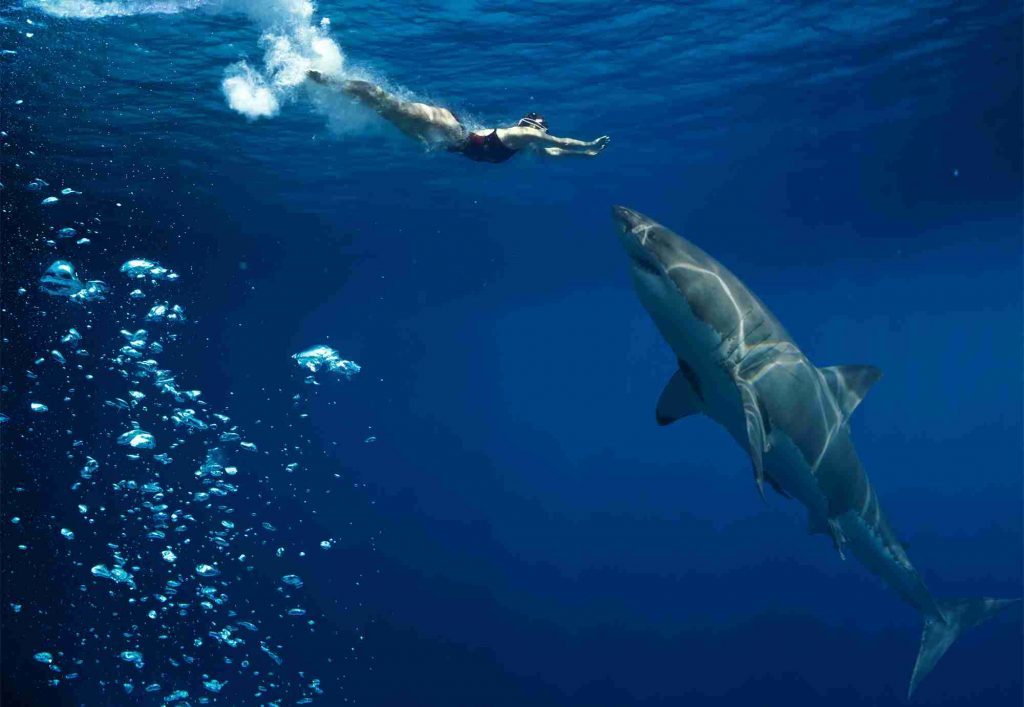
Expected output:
(958, 615)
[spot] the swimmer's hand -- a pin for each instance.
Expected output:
(567, 147)
(595, 147)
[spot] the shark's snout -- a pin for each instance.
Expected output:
(634, 230)
(625, 218)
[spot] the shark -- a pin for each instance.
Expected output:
(739, 366)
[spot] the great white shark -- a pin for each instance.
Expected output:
(739, 366)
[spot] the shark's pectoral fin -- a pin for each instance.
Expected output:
(681, 396)
(849, 384)
(757, 433)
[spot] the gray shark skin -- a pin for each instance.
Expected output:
(740, 367)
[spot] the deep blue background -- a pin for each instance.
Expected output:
(538, 540)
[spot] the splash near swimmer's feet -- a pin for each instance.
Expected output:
(293, 41)
(293, 47)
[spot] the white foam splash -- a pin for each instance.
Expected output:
(247, 92)
(293, 43)
(290, 50)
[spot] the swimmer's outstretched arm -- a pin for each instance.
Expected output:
(559, 152)
(551, 145)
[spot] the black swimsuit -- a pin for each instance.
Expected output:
(484, 148)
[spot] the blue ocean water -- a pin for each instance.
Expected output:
(506, 524)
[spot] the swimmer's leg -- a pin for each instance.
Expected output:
(417, 120)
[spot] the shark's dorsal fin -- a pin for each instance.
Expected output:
(849, 384)
(680, 398)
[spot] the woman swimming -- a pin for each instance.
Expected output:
(435, 125)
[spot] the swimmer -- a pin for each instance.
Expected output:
(434, 125)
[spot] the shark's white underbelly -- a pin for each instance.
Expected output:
(700, 346)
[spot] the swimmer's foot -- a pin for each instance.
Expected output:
(354, 87)
(597, 146)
